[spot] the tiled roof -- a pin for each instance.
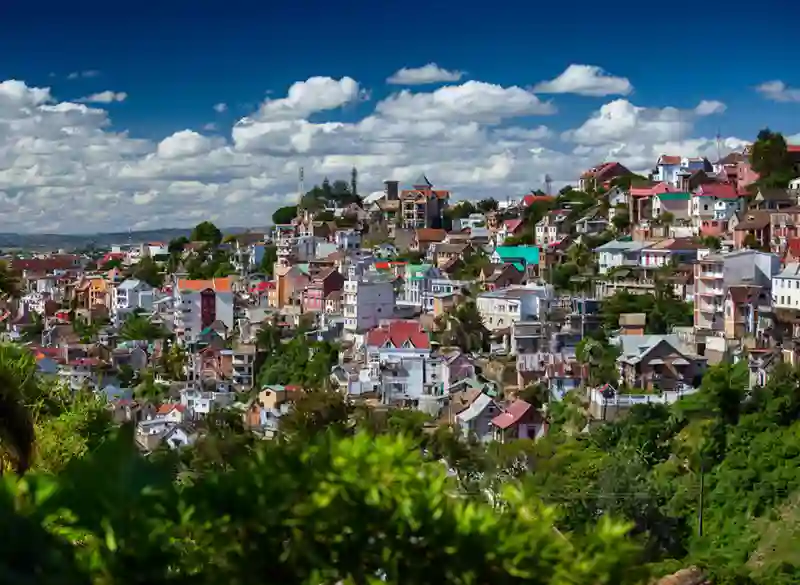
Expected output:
(666, 159)
(530, 199)
(753, 220)
(49, 264)
(512, 415)
(652, 190)
(398, 333)
(431, 235)
(718, 190)
(512, 225)
(215, 284)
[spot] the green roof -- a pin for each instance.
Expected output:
(682, 196)
(303, 268)
(528, 254)
(417, 271)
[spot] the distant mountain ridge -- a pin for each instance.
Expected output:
(101, 240)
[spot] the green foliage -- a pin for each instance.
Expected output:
(111, 264)
(473, 262)
(487, 205)
(9, 281)
(463, 327)
(461, 210)
(770, 159)
(354, 510)
(299, 363)
(267, 265)
(137, 327)
(148, 270)
(663, 309)
(206, 232)
(284, 215)
(177, 245)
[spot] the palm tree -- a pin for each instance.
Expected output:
(464, 328)
(140, 328)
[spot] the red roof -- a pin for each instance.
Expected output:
(656, 189)
(530, 199)
(666, 159)
(512, 225)
(793, 247)
(398, 333)
(167, 408)
(512, 415)
(49, 264)
(718, 190)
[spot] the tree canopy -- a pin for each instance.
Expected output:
(206, 232)
(769, 157)
(284, 215)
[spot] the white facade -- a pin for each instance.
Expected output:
(129, 296)
(786, 288)
(713, 208)
(348, 240)
(199, 403)
(472, 221)
(405, 374)
(618, 254)
(187, 312)
(501, 308)
(365, 302)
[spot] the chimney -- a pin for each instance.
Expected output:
(392, 190)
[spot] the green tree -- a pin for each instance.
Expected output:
(487, 205)
(268, 260)
(769, 157)
(206, 232)
(137, 327)
(147, 270)
(284, 215)
(463, 327)
(9, 281)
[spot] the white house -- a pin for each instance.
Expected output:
(618, 253)
(399, 360)
(347, 240)
(715, 201)
(131, 295)
(472, 221)
(551, 228)
(366, 301)
(199, 303)
(786, 288)
(199, 403)
(499, 309)
(417, 281)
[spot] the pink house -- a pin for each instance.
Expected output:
(319, 289)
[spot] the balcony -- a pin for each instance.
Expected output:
(709, 292)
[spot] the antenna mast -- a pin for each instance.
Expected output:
(548, 181)
(719, 145)
(300, 188)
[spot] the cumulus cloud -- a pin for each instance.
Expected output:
(710, 107)
(63, 166)
(473, 100)
(778, 91)
(105, 97)
(589, 80)
(316, 94)
(220, 107)
(430, 73)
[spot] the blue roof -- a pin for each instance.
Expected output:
(528, 254)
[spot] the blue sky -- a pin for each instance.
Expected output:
(174, 60)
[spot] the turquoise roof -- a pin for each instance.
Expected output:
(528, 254)
(417, 271)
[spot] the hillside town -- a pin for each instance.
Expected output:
(481, 315)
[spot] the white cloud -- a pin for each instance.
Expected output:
(430, 73)
(778, 91)
(473, 100)
(589, 80)
(88, 74)
(316, 94)
(105, 97)
(220, 107)
(710, 107)
(64, 168)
